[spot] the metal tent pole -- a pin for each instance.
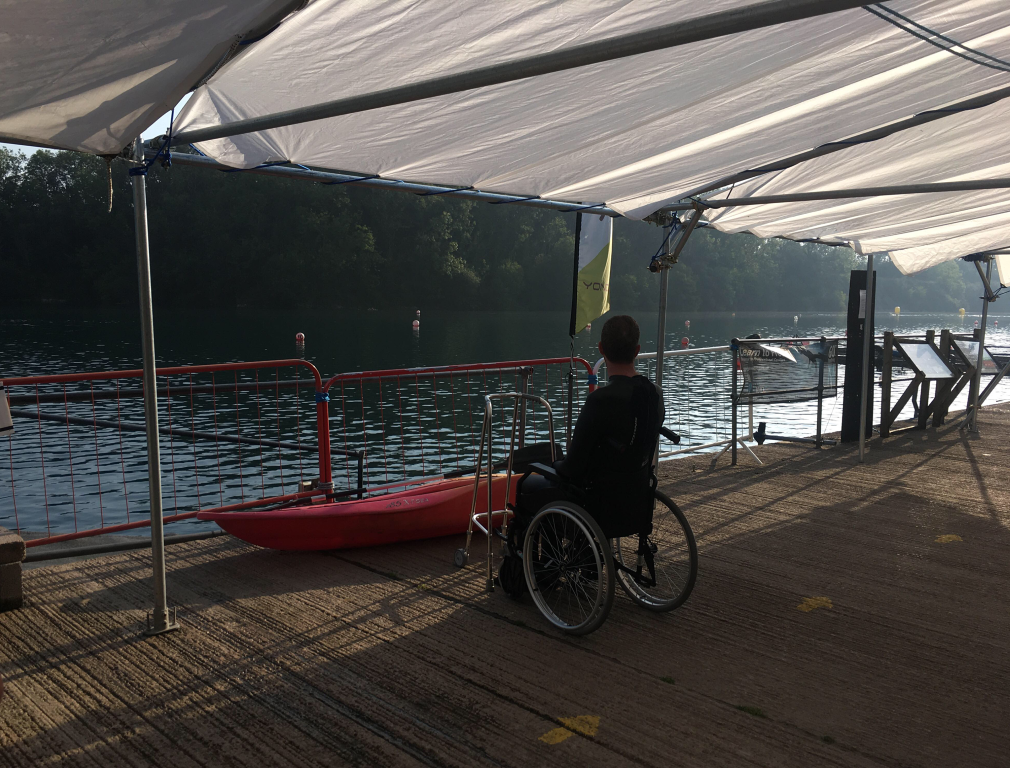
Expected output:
(867, 347)
(669, 259)
(977, 383)
(664, 290)
(398, 185)
(159, 621)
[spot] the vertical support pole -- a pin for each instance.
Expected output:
(867, 360)
(924, 388)
(490, 499)
(976, 385)
(820, 394)
(943, 386)
(664, 291)
(159, 621)
(323, 439)
(733, 398)
(525, 374)
(885, 385)
(571, 408)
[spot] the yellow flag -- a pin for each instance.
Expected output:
(594, 237)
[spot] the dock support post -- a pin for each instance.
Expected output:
(976, 385)
(867, 359)
(942, 387)
(733, 399)
(159, 622)
(924, 389)
(885, 385)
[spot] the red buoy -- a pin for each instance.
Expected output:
(684, 342)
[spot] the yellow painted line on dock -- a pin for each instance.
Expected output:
(587, 725)
(947, 538)
(811, 603)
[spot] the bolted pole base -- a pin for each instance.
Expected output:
(161, 625)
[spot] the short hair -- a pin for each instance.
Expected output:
(619, 339)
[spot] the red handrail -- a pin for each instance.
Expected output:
(173, 518)
(322, 407)
(440, 369)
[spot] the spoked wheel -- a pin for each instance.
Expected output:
(569, 568)
(664, 564)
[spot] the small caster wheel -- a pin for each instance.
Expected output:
(460, 558)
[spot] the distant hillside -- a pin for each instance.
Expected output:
(234, 239)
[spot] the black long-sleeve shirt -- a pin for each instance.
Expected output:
(615, 435)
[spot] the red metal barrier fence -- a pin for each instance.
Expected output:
(417, 423)
(239, 435)
(246, 435)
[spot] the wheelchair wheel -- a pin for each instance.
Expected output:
(664, 564)
(569, 568)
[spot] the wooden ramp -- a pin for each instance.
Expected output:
(845, 615)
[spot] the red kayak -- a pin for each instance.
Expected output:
(440, 508)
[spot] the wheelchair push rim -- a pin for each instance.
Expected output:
(569, 568)
(674, 560)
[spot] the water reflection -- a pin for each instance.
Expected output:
(60, 477)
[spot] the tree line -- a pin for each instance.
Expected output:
(236, 239)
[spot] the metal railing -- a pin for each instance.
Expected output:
(234, 436)
(419, 424)
(702, 425)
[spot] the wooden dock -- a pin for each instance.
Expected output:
(845, 615)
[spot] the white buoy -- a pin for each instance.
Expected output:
(589, 326)
(416, 324)
(299, 338)
(796, 319)
(418, 313)
(687, 323)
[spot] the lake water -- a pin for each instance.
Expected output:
(63, 477)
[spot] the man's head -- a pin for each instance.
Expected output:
(619, 340)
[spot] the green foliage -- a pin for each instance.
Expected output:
(227, 239)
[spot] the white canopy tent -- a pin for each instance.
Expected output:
(643, 124)
(635, 134)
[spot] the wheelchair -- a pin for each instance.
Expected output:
(562, 556)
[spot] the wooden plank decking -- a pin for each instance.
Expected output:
(390, 656)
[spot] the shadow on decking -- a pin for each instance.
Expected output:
(391, 656)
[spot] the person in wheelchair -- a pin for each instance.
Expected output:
(608, 468)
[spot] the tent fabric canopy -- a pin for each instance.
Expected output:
(636, 133)
(93, 74)
(917, 230)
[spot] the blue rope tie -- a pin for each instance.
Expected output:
(348, 181)
(165, 148)
(446, 191)
(515, 200)
(593, 379)
(322, 397)
(674, 228)
(584, 208)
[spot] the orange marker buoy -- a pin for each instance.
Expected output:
(684, 342)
